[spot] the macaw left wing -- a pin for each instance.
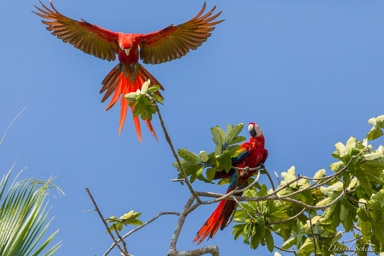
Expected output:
(174, 42)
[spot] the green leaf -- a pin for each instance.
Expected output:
(204, 156)
(238, 230)
(260, 227)
(232, 133)
(337, 237)
(306, 248)
(374, 133)
(153, 88)
(351, 143)
(320, 174)
(340, 150)
(335, 167)
(200, 176)
(343, 212)
(218, 136)
(211, 173)
(224, 181)
(131, 96)
(144, 87)
(188, 156)
(233, 150)
(289, 243)
(134, 222)
(269, 240)
(238, 139)
(224, 161)
(378, 121)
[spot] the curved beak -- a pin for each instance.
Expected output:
(127, 51)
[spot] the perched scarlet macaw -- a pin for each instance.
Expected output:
(167, 44)
(251, 154)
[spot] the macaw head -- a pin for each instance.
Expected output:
(254, 130)
(126, 42)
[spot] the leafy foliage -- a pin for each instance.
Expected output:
(142, 100)
(221, 159)
(23, 218)
(351, 199)
(129, 218)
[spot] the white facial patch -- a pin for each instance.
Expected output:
(250, 127)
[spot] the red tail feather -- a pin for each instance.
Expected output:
(219, 218)
(124, 79)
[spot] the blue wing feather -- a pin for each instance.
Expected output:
(240, 157)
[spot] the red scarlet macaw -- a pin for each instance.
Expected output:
(251, 154)
(172, 42)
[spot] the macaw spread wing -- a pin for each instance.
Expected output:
(174, 42)
(90, 39)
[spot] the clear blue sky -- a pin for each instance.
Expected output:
(310, 73)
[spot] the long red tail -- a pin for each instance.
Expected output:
(219, 218)
(124, 79)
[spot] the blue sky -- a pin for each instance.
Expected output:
(310, 73)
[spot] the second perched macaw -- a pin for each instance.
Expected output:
(251, 154)
(170, 43)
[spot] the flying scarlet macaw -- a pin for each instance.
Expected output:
(251, 154)
(172, 42)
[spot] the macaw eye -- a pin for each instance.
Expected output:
(122, 47)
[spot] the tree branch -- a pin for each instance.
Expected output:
(140, 227)
(105, 223)
(173, 149)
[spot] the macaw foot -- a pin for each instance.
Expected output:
(245, 172)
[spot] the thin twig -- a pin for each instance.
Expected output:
(140, 227)
(180, 223)
(348, 241)
(313, 234)
(122, 240)
(328, 178)
(239, 204)
(173, 149)
(272, 198)
(105, 223)
(356, 227)
(273, 185)
(289, 219)
(228, 195)
(285, 250)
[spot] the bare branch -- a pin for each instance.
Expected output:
(239, 204)
(173, 149)
(313, 234)
(327, 178)
(273, 197)
(285, 250)
(122, 240)
(223, 197)
(140, 227)
(291, 218)
(180, 223)
(105, 223)
(212, 249)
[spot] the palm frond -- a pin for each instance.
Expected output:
(23, 218)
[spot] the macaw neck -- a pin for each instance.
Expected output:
(257, 142)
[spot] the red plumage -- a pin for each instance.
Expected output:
(170, 43)
(251, 154)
